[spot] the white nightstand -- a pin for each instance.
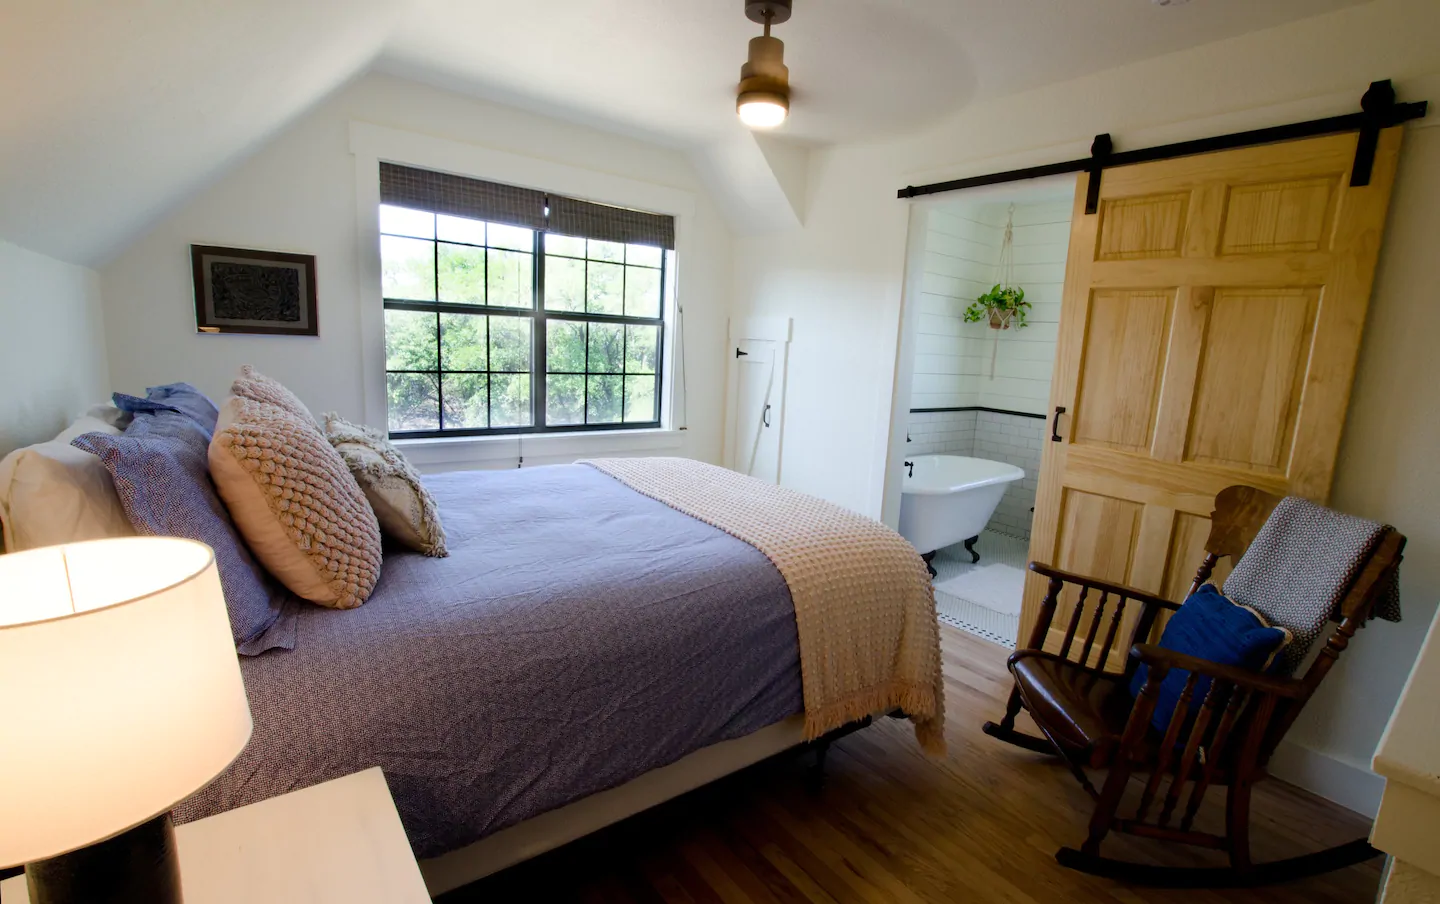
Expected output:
(337, 843)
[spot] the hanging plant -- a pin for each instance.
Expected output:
(1002, 306)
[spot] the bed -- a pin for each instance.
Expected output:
(602, 636)
(579, 636)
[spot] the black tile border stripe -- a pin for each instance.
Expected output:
(1038, 417)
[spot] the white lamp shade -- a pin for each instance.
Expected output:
(120, 689)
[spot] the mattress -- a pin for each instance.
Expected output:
(578, 635)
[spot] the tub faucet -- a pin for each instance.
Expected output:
(911, 466)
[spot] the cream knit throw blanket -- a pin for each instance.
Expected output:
(864, 604)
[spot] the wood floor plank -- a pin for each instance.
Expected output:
(785, 885)
(731, 878)
(892, 825)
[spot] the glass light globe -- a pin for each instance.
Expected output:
(761, 114)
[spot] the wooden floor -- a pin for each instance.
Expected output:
(982, 824)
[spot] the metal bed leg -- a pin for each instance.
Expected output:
(817, 769)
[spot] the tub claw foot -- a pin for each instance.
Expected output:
(970, 548)
(928, 567)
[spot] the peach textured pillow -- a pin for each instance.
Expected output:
(295, 503)
(253, 385)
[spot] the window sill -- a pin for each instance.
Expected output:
(464, 452)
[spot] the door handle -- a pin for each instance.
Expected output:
(738, 353)
(765, 416)
(1055, 430)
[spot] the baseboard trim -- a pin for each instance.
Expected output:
(1348, 784)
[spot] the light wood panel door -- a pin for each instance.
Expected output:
(1211, 319)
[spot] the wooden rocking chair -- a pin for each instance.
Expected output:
(1083, 706)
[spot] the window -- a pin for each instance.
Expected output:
(512, 311)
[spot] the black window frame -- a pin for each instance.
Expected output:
(539, 318)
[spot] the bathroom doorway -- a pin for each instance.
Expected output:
(978, 389)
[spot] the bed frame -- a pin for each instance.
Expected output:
(550, 830)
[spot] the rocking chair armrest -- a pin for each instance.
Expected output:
(1153, 656)
(1134, 593)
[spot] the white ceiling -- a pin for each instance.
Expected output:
(113, 111)
(858, 68)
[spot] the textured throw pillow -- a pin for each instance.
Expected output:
(158, 468)
(52, 493)
(1209, 626)
(296, 503)
(181, 397)
(253, 385)
(405, 509)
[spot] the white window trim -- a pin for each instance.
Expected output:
(458, 453)
(370, 144)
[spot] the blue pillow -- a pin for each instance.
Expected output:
(1209, 626)
(181, 397)
(161, 472)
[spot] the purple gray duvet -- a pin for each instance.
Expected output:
(578, 635)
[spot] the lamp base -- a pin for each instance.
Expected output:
(139, 865)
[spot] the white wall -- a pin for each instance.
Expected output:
(52, 345)
(1389, 470)
(962, 246)
(298, 193)
(1025, 359)
(841, 278)
(953, 359)
(832, 278)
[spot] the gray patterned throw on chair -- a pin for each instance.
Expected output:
(1307, 554)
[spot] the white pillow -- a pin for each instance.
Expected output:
(53, 493)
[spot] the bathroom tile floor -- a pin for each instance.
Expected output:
(953, 561)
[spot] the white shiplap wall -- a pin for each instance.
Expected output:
(952, 359)
(960, 253)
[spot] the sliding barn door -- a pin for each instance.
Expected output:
(1211, 319)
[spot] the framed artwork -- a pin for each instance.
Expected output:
(240, 291)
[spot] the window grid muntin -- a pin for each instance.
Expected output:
(539, 317)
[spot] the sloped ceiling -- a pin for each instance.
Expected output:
(114, 111)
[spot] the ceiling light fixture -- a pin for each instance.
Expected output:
(764, 98)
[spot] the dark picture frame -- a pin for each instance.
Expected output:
(238, 290)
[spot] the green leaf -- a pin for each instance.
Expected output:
(607, 343)
(565, 347)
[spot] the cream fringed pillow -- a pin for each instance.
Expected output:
(405, 509)
(294, 501)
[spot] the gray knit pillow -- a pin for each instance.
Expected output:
(405, 509)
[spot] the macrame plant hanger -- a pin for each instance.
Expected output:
(1007, 277)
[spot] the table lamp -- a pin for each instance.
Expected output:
(120, 695)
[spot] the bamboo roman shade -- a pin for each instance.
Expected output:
(612, 224)
(405, 186)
